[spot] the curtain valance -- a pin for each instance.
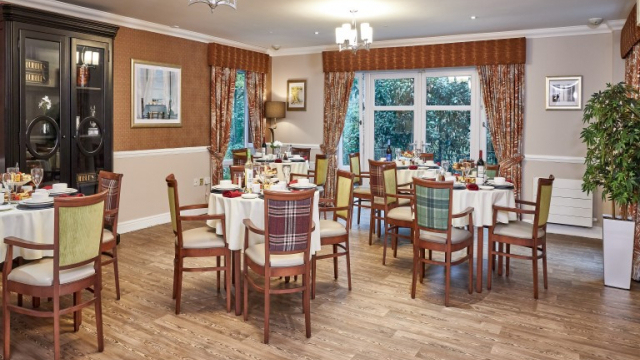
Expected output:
(235, 58)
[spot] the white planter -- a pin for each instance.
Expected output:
(617, 239)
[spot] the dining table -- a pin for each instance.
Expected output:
(236, 210)
(297, 167)
(35, 225)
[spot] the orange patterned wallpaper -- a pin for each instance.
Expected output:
(193, 57)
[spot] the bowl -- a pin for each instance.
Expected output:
(499, 180)
(225, 182)
(430, 162)
(303, 181)
(59, 186)
(39, 196)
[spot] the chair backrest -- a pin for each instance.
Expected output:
(288, 222)
(376, 181)
(426, 156)
(174, 205)
(344, 195)
(78, 230)
(111, 182)
(543, 201)
(390, 176)
(304, 152)
(492, 171)
(354, 166)
(239, 156)
(322, 166)
(433, 205)
(237, 169)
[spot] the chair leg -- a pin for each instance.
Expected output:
(416, 263)
(491, 260)
(98, 310)
(470, 255)
(6, 322)
(175, 277)
(395, 242)
(507, 260)
(335, 262)
(544, 265)
(380, 222)
(348, 256)
(422, 265)
(371, 226)
(56, 327)
(359, 209)
(115, 271)
(534, 255)
(218, 272)
(307, 302)
(246, 291)
(267, 303)
(227, 278)
(179, 285)
(313, 276)
(500, 258)
(384, 247)
(447, 276)
(35, 302)
(77, 315)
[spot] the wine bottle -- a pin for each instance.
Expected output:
(248, 172)
(264, 146)
(481, 170)
(389, 150)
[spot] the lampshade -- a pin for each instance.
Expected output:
(274, 109)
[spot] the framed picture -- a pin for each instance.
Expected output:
(297, 95)
(155, 94)
(564, 93)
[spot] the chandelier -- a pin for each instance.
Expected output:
(214, 3)
(347, 35)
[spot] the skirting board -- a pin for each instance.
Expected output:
(149, 221)
(594, 232)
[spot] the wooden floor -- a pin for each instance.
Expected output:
(577, 318)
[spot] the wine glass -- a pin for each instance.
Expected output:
(13, 171)
(36, 176)
(398, 152)
(445, 165)
(7, 180)
(286, 171)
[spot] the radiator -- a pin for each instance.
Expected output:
(569, 204)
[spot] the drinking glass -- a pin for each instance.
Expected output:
(445, 165)
(36, 176)
(7, 180)
(398, 151)
(286, 171)
(238, 179)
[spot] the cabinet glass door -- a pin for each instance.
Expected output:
(42, 106)
(88, 86)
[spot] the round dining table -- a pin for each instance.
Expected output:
(297, 167)
(35, 225)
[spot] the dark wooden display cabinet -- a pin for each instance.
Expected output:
(56, 95)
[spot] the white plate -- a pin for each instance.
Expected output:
(31, 202)
(249, 196)
(303, 186)
(485, 187)
(223, 188)
(62, 191)
(5, 207)
(504, 184)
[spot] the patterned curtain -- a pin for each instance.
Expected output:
(632, 77)
(337, 88)
(503, 94)
(223, 86)
(255, 98)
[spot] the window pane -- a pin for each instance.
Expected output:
(491, 152)
(449, 90)
(394, 92)
(396, 126)
(238, 121)
(351, 132)
(449, 134)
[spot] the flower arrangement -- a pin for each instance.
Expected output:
(276, 144)
(45, 104)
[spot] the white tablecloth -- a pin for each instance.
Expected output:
(238, 209)
(482, 202)
(32, 225)
(405, 175)
(298, 167)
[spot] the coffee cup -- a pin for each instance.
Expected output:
(450, 178)
(27, 188)
(383, 159)
(499, 180)
(303, 181)
(257, 155)
(255, 188)
(430, 162)
(39, 196)
(225, 182)
(59, 186)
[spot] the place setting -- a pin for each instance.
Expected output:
(40, 199)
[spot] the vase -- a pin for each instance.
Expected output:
(276, 152)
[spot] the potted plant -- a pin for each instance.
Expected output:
(612, 136)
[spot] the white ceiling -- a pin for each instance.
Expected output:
(292, 24)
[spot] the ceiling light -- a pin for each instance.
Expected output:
(347, 35)
(214, 3)
(317, 32)
(175, 26)
(473, 17)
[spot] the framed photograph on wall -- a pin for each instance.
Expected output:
(296, 95)
(155, 94)
(564, 93)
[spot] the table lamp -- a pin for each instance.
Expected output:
(274, 110)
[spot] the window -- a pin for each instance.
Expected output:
(351, 134)
(239, 136)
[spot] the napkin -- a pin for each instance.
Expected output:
(413, 167)
(48, 187)
(278, 161)
(472, 187)
(509, 180)
(293, 182)
(232, 194)
(305, 158)
(74, 195)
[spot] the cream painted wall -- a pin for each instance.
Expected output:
(143, 200)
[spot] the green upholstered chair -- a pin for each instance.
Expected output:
(492, 171)
(521, 233)
(319, 174)
(434, 232)
(397, 208)
(197, 242)
(75, 266)
(360, 193)
(239, 156)
(112, 183)
(333, 232)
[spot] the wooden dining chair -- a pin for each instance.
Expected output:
(239, 156)
(112, 183)
(426, 156)
(76, 265)
(304, 152)
(360, 193)
(521, 233)
(397, 209)
(237, 169)
(433, 206)
(288, 223)
(198, 242)
(492, 171)
(334, 233)
(319, 174)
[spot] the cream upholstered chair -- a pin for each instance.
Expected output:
(304, 152)
(334, 233)
(433, 231)
(360, 193)
(198, 242)
(288, 223)
(397, 209)
(75, 266)
(319, 174)
(239, 156)
(112, 183)
(525, 234)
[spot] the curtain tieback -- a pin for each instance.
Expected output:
(510, 162)
(218, 156)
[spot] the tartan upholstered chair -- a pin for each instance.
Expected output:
(334, 233)
(304, 152)
(112, 183)
(434, 232)
(239, 156)
(525, 234)
(397, 209)
(360, 193)
(319, 175)
(492, 171)
(288, 223)
(75, 266)
(197, 242)
(426, 156)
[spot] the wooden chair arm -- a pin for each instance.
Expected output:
(325, 201)
(193, 207)
(531, 203)
(324, 209)
(248, 224)
(365, 174)
(26, 244)
(465, 212)
(202, 217)
(497, 208)
(402, 196)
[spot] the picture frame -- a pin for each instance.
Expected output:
(296, 95)
(564, 93)
(156, 94)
